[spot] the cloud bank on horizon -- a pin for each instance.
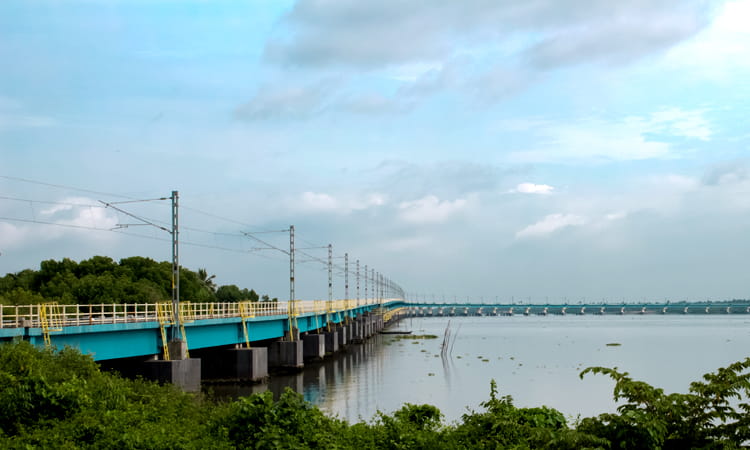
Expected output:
(495, 149)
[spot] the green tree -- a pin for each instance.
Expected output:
(229, 293)
(96, 265)
(207, 280)
(713, 414)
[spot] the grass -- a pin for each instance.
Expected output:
(415, 336)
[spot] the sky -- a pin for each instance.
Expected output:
(547, 150)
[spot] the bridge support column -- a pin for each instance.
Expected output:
(343, 334)
(357, 328)
(371, 326)
(314, 347)
(286, 355)
(379, 324)
(366, 327)
(332, 341)
(184, 373)
(237, 364)
(177, 349)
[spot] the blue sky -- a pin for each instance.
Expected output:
(542, 149)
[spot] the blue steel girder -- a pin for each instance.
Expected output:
(125, 340)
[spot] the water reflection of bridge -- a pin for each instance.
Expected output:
(467, 309)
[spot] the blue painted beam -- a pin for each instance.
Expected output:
(125, 340)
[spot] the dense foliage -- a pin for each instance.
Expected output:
(102, 280)
(52, 399)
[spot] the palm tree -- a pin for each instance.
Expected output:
(206, 280)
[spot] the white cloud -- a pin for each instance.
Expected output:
(91, 217)
(430, 209)
(69, 219)
(68, 204)
(390, 32)
(629, 139)
(594, 139)
(376, 200)
(322, 202)
(12, 235)
(531, 188)
(720, 50)
(550, 224)
(682, 123)
(319, 202)
(617, 215)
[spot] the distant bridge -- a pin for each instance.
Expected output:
(416, 309)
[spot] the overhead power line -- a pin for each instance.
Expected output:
(129, 214)
(49, 202)
(320, 263)
(142, 236)
(65, 225)
(61, 186)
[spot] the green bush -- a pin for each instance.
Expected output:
(60, 399)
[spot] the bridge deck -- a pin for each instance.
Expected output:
(128, 330)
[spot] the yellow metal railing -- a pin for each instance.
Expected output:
(388, 315)
(187, 315)
(50, 319)
(57, 316)
(164, 315)
(247, 311)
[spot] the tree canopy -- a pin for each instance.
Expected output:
(100, 279)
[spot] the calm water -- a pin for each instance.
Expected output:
(535, 359)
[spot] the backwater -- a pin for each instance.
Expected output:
(535, 359)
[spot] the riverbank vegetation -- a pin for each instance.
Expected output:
(60, 399)
(420, 337)
(100, 279)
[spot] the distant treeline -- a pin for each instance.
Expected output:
(102, 280)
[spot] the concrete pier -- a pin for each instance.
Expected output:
(237, 364)
(286, 355)
(379, 323)
(367, 322)
(357, 331)
(332, 342)
(343, 334)
(314, 347)
(184, 373)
